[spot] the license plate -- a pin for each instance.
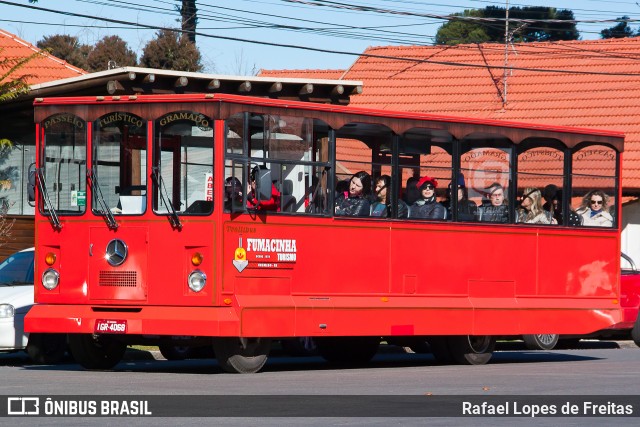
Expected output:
(110, 326)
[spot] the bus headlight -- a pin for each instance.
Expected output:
(7, 310)
(50, 279)
(197, 280)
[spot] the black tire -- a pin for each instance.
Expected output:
(96, 351)
(175, 352)
(540, 341)
(472, 349)
(635, 332)
(348, 350)
(300, 347)
(440, 350)
(47, 349)
(241, 355)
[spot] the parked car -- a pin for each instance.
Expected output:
(16, 298)
(628, 328)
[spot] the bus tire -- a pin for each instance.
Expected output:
(348, 350)
(175, 352)
(440, 350)
(540, 341)
(472, 349)
(635, 332)
(47, 349)
(241, 355)
(96, 351)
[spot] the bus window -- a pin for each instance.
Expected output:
(593, 182)
(363, 150)
(540, 180)
(64, 163)
(486, 167)
(425, 162)
(183, 159)
(120, 162)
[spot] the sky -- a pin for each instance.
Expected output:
(230, 28)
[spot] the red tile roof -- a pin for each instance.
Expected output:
(317, 74)
(590, 83)
(40, 69)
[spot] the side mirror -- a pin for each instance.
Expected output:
(263, 184)
(31, 184)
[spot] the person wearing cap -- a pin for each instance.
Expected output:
(355, 201)
(496, 210)
(531, 211)
(467, 209)
(426, 206)
(232, 193)
(594, 210)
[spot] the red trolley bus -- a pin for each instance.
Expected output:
(230, 221)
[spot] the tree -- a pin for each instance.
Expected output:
(67, 48)
(618, 31)
(490, 25)
(111, 50)
(171, 51)
(10, 87)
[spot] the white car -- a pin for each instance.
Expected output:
(16, 298)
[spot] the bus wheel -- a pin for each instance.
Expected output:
(348, 350)
(241, 355)
(472, 349)
(175, 352)
(440, 349)
(540, 341)
(47, 349)
(635, 332)
(96, 351)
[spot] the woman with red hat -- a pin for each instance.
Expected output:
(426, 206)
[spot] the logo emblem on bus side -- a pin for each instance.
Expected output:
(240, 257)
(116, 252)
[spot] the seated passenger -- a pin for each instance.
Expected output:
(594, 210)
(531, 211)
(496, 210)
(273, 204)
(411, 193)
(467, 209)
(355, 201)
(426, 206)
(382, 206)
(553, 203)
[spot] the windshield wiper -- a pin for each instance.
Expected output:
(174, 219)
(104, 208)
(42, 185)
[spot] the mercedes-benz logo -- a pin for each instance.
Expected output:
(116, 252)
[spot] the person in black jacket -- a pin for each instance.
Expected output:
(497, 210)
(426, 207)
(355, 201)
(467, 209)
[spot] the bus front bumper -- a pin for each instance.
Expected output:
(148, 320)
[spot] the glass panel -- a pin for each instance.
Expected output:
(486, 173)
(540, 179)
(363, 153)
(64, 163)
(593, 192)
(120, 161)
(184, 157)
(425, 165)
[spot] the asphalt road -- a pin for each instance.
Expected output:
(605, 369)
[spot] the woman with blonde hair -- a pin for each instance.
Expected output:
(531, 211)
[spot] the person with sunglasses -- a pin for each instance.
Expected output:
(497, 209)
(426, 207)
(595, 210)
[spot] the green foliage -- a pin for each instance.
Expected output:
(171, 51)
(67, 48)
(110, 48)
(490, 25)
(618, 31)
